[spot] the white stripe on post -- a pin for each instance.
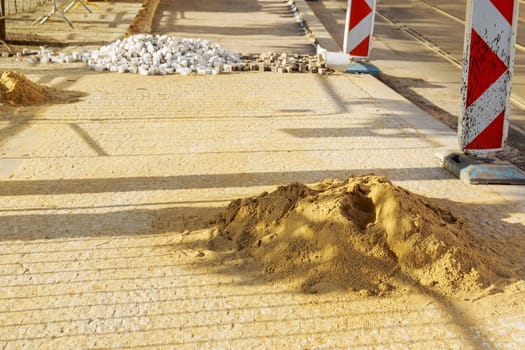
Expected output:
(490, 25)
(485, 105)
(359, 28)
(490, 38)
(359, 33)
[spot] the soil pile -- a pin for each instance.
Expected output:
(17, 90)
(364, 234)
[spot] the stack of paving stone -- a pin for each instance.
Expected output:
(162, 54)
(148, 54)
(283, 63)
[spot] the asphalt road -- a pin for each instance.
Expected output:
(419, 49)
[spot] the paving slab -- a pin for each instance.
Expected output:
(243, 26)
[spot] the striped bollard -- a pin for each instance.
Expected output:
(490, 38)
(487, 75)
(359, 28)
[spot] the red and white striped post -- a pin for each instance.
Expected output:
(490, 38)
(359, 28)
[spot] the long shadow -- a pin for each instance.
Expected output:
(275, 30)
(20, 118)
(18, 121)
(88, 139)
(405, 87)
(235, 6)
(156, 183)
(113, 224)
(342, 105)
(371, 130)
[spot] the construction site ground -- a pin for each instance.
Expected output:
(105, 203)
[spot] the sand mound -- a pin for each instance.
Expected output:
(17, 90)
(364, 234)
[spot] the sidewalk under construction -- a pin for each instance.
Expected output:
(116, 228)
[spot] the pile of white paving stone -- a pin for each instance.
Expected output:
(149, 54)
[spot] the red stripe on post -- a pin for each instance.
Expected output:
(485, 68)
(362, 48)
(358, 12)
(491, 137)
(506, 7)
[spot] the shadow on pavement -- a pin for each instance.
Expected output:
(404, 86)
(112, 224)
(156, 183)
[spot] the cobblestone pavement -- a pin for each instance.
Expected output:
(104, 206)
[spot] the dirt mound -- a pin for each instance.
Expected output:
(364, 234)
(17, 90)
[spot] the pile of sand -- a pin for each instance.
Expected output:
(364, 234)
(17, 90)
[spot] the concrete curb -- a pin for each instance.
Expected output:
(143, 21)
(314, 27)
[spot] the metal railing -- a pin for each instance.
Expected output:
(2, 20)
(12, 7)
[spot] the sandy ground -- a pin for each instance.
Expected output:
(106, 214)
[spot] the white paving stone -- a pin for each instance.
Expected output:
(148, 54)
